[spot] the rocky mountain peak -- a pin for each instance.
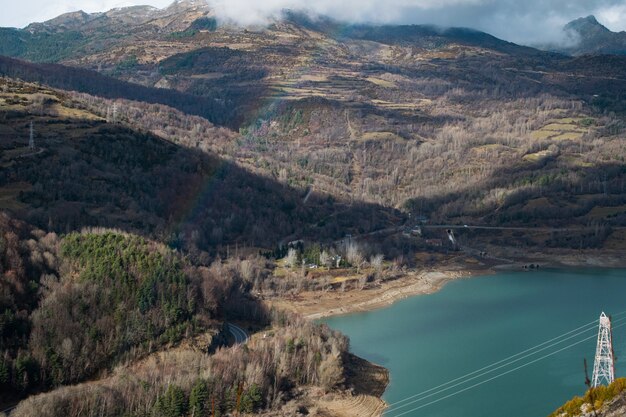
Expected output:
(586, 26)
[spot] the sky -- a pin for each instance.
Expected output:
(521, 21)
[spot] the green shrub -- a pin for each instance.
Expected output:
(601, 395)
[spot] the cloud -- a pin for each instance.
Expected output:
(520, 21)
(613, 17)
(251, 12)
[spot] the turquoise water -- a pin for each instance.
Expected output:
(426, 341)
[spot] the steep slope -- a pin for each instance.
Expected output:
(76, 304)
(139, 324)
(85, 171)
(79, 34)
(78, 79)
(453, 125)
(591, 37)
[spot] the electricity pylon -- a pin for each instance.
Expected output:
(31, 141)
(604, 365)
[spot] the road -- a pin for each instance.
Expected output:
(398, 229)
(238, 333)
(7, 411)
(514, 228)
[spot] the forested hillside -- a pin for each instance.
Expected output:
(455, 125)
(87, 172)
(77, 307)
(164, 175)
(78, 302)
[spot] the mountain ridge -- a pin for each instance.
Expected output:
(249, 167)
(585, 35)
(145, 22)
(345, 90)
(588, 36)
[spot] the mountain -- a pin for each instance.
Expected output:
(122, 213)
(165, 174)
(140, 19)
(591, 37)
(79, 33)
(376, 114)
(425, 36)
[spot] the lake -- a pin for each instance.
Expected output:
(430, 340)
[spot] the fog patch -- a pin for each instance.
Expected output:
(529, 22)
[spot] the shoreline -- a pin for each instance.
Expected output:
(315, 305)
(320, 304)
(411, 285)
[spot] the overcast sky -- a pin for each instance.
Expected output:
(521, 21)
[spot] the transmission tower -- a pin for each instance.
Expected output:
(603, 366)
(31, 141)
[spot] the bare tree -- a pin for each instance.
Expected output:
(354, 256)
(292, 258)
(325, 259)
(376, 261)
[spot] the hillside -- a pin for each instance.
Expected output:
(591, 37)
(81, 33)
(454, 125)
(142, 324)
(145, 282)
(185, 173)
(600, 402)
(87, 172)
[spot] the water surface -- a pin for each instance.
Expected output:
(428, 340)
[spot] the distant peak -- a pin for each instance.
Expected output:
(590, 19)
(188, 3)
(586, 24)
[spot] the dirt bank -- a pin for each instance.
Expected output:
(365, 401)
(319, 304)
(366, 383)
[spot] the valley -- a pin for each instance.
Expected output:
(185, 173)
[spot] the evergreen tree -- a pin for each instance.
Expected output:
(252, 399)
(172, 404)
(199, 398)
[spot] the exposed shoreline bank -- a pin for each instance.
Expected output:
(412, 284)
(316, 305)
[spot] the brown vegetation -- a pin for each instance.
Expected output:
(205, 145)
(262, 374)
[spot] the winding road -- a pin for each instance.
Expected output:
(238, 333)
(397, 229)
(7, 411)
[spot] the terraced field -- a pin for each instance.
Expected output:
(563, 129)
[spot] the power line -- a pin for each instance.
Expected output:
(499, 375)
(485, 368)
(488, 366)
(464, 381)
